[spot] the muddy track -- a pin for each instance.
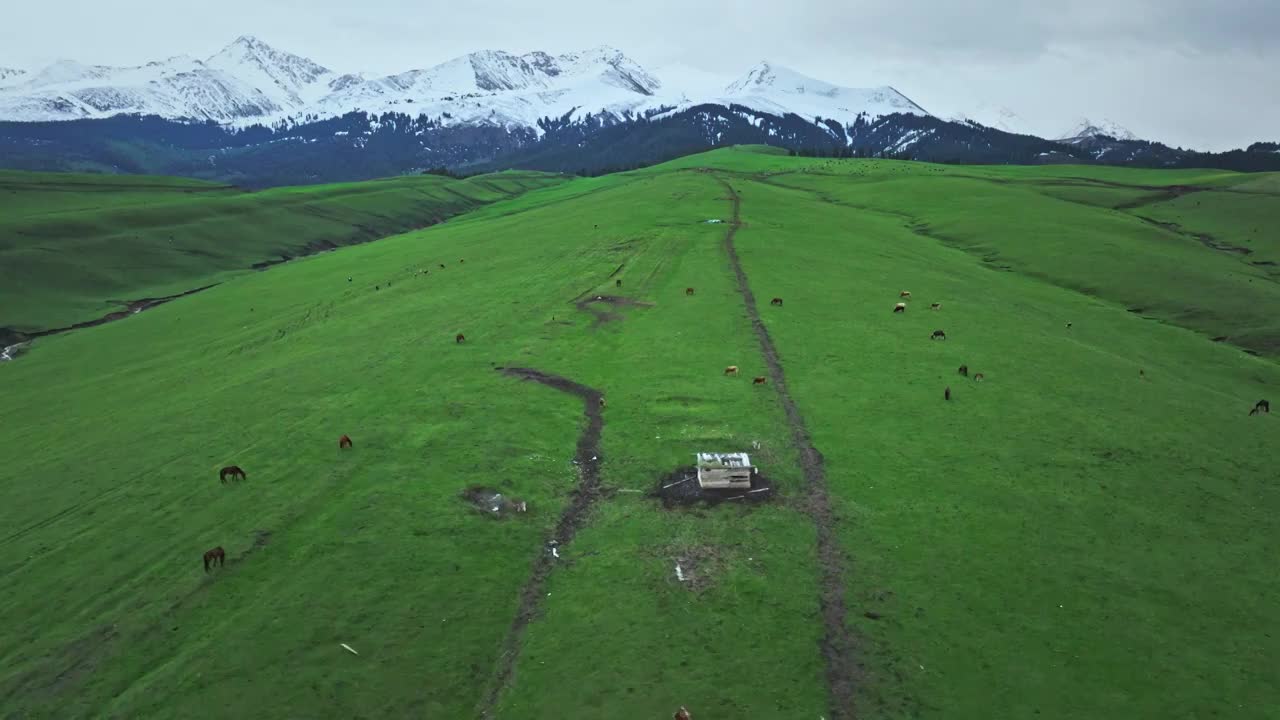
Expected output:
(837, 640)
(571, 520)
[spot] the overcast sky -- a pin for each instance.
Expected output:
(1194, 73)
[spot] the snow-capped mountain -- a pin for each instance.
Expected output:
(1085, 129)
(251, 82)
(498, 88)
(289, 80)
(778, 90)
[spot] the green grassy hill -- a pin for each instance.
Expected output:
(1090, 532)
(75, 247)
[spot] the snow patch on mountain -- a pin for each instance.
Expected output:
(1084, 129)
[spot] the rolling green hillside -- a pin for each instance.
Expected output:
(1088, 532)
(75, 247)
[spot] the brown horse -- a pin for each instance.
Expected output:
(216, 556)
(682, 714)
(344, 442)
(731, 370)
(688, 291)
(231, 471)
(460, 338)
(777, 302)
(760, 380)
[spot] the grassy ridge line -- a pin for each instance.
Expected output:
(68, 255)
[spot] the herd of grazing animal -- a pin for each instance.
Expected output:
(218, 556)
(733, 369)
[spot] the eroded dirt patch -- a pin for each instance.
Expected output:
(697, 567)
(492, 503)
(602, 306)
(681, 488)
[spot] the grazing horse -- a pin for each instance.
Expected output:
(760, 380)
(344, 442)
(601, 402)
(946, 394)
(688, 291)
(618, 282)
(731, 370)
(216, 556)
(905, 294)
(978, 377)
(776, 301)
(938, 335)
(231, 471)
(460, 338)
(682, 714)
(964, 370)
(1261, 406)
(935, 306)
(900, 308)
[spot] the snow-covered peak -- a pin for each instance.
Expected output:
(775, 89)
(67, 71)
(1085, 128)
(766, 77)
(249, 81)
(287, 78)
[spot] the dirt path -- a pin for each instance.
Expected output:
(571, 520)
(837, 640)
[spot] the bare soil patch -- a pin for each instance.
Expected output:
(681, 488)
(601, 306)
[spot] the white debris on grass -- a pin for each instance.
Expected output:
(349, 648)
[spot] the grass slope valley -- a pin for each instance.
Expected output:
(255, 115)
(425, 446)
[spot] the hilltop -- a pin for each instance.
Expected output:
(1088, 531)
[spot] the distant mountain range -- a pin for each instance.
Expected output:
(257, 115)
